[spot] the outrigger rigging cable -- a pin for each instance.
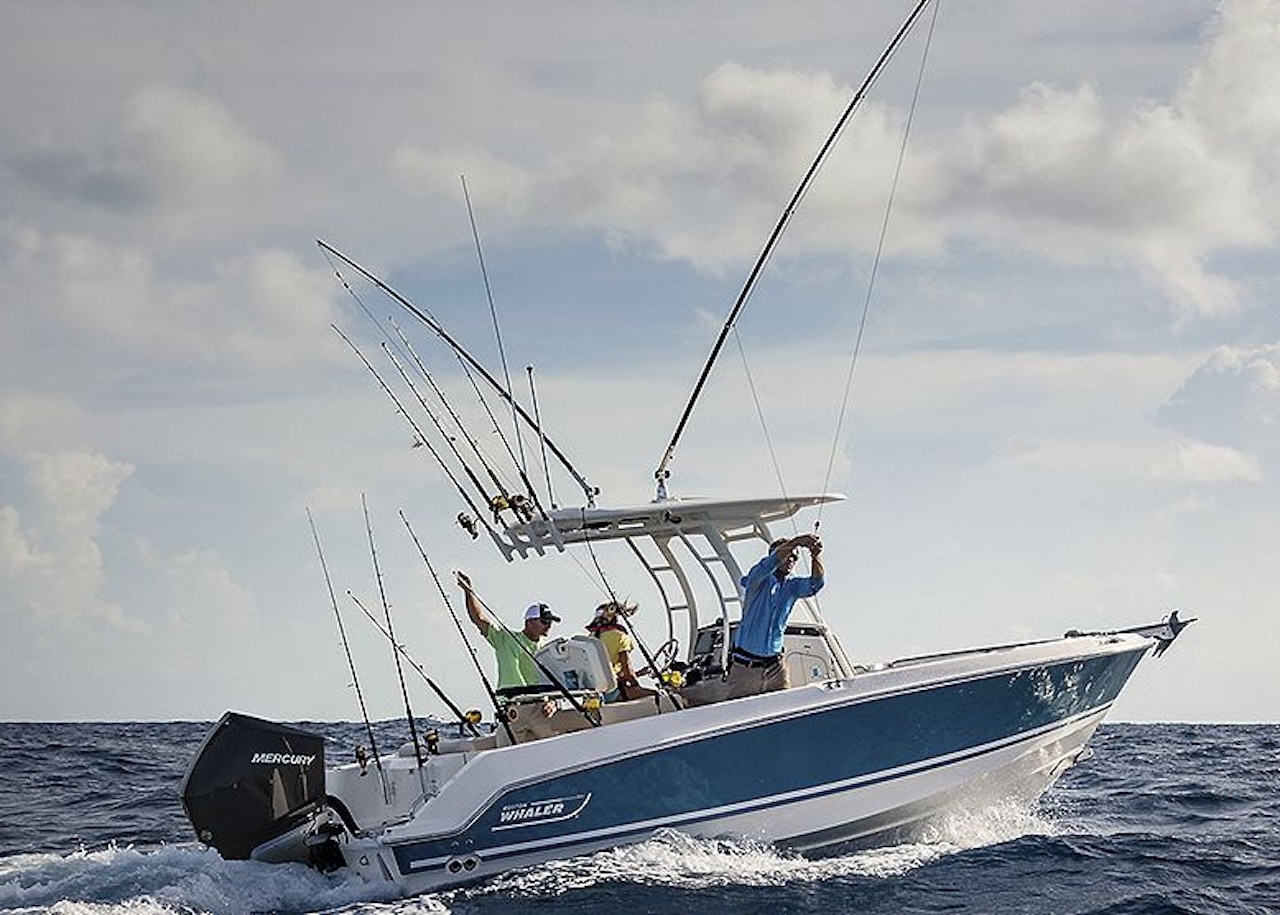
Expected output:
(875, 264)
(355, 680)
(784, 220)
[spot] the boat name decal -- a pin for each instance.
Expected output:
(282, 759)
(534, 813)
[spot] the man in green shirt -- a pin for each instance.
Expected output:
(514, 650)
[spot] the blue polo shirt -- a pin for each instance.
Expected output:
(767, 604)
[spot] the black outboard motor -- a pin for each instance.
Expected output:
(252, 781)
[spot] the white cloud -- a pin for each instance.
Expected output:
(1232, 398)
(16, 553)
(1159, 188)
(177, 152)
(77, 486)
(495, 186)
(54, 567)
(1178, 462)
(260, 310)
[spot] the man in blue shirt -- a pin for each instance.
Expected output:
(769, 593)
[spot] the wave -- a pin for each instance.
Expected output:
(178, 879)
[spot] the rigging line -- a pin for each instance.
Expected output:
(457, 420)
(764, 427)
(462, 717)
(475, 481)
(783, 221)
(589, 491)
(488, 687)
(421, 436)
(364, 712)
(493, 312)
(875, 264)
(386, 609)
(537, 417)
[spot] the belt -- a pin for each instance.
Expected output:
(749, 660)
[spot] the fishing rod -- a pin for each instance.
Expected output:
(588, 490)
(439, 427)
(552, 679)
(405, 342)
(493, 311)
(364, 712)
(461, 715)
(662, 473)
(546, 467)
(421, 437)
(386, 609)
(457, 420)
(498, 712)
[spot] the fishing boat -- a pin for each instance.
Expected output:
(847, 752)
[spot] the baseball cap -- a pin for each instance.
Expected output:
(541, 612)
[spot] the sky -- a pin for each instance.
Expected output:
(1061, 411)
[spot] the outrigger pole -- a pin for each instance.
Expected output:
(662, 473)
(588, 490)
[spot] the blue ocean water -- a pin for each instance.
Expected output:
(1162, 818)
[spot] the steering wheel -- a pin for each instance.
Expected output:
(665, 654)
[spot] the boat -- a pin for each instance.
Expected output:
(847, 753)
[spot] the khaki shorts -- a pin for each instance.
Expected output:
(741, 681)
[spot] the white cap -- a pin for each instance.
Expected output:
(542, 612)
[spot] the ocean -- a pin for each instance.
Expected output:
(1163, 818)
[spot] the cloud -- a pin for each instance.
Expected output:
(30, 420)
(51, 565)
(260, 310)
(1159, 188)
(494, 185)
(1232, 398)
(1176, 462)
(178, 151)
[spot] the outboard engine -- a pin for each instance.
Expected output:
(253, 781)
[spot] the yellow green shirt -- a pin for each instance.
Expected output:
(515, 666)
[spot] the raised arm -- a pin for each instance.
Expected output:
(474, 610)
